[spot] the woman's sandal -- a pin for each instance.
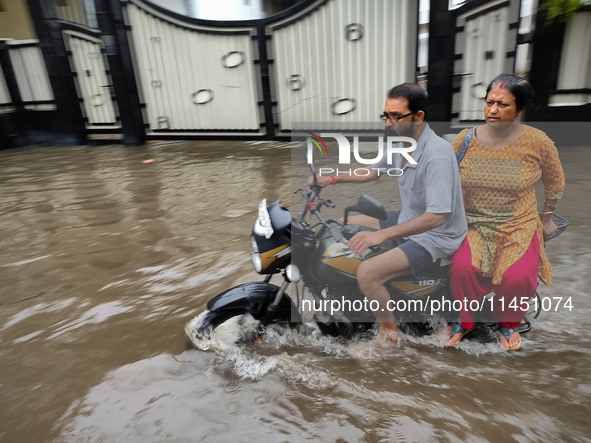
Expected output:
(506, 333)
(456, 328)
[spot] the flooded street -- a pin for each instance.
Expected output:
(106, 256)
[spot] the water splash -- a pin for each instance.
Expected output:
(294, 351)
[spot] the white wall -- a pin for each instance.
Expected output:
(178, 6)
(226, 9)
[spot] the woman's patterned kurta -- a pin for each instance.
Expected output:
(500, 200)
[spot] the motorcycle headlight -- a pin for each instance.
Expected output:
(257, 263)
(293, 273)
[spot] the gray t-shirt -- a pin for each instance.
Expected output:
(432, 185)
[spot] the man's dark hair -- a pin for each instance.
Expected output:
(417, 97)
(519, 87)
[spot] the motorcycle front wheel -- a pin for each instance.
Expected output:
(205, 324)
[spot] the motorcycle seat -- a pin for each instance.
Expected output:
(437, 273)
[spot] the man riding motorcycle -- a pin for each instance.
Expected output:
(431, 224)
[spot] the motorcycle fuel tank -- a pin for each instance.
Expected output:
(334, 262)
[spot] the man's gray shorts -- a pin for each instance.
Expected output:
(421, 261)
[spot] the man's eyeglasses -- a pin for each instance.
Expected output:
(393, 117)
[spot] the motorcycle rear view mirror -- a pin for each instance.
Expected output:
(367, 205)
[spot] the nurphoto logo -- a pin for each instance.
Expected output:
(393, 145)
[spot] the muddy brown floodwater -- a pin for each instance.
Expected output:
(104, 259)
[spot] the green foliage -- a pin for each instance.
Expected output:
(562, 10)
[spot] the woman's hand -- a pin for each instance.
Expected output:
(548, 227)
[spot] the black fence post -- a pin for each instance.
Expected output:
(441, 61)
(113, 32)
(10, 78)
(547, 47)
(67, 123)
(265, 81)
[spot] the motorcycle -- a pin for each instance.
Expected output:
(314, 258)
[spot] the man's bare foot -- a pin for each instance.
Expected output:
(512, 343)
(386, 338)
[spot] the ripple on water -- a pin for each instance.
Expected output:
(39, 308)
(192, 273)
(96, 314)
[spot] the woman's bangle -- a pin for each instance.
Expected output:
(549, 205)
(546, 213)
(334, 180)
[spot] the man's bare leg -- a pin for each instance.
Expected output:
(371, 276)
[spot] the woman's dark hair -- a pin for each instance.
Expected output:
(417, 97)
(519, 87)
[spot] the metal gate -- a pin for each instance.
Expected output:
(24, 67)
(334, 64)
(486, 42)
(573, 86)
(193, 78)
(328, 61)
(91, 73)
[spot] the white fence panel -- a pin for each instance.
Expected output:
(193, 78)
(92, 80)
(487, 48)
(31, 75)
(575, 63)
(335, 62)
(5, 99)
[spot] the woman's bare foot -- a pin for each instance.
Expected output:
(511, 344)
(454, 340)
(456, 333)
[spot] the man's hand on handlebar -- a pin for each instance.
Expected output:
(322, 180)
(365, 239)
